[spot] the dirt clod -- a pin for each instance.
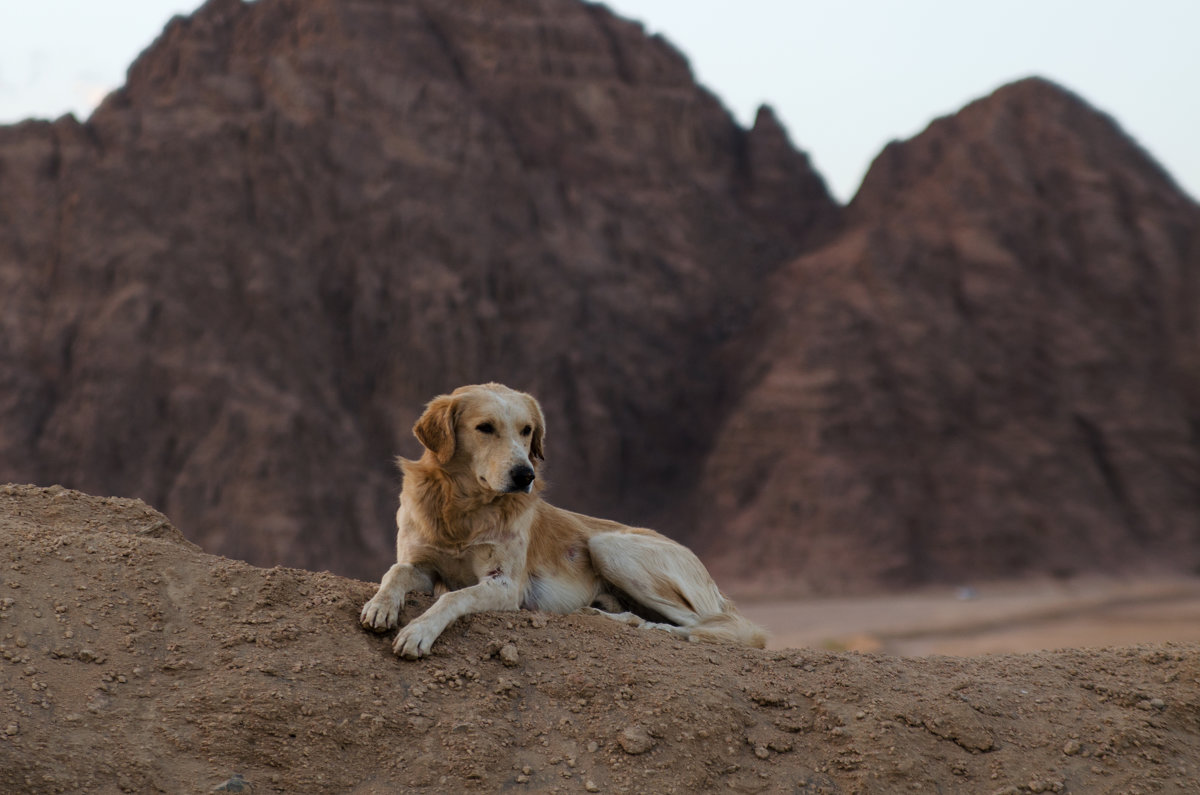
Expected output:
(508, 655)
(635, 740)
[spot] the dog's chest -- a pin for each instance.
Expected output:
(460, 568)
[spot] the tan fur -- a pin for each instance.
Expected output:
(471, 524)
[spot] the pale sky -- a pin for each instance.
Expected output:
(845, 76)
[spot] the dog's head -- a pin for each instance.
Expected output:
(494, 432)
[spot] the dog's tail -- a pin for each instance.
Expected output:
(728, 626)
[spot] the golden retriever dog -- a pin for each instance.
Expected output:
(472, 527)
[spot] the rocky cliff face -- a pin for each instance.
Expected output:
(231, 291)
(993, 369)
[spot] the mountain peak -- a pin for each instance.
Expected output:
(301, 219)
(1031, 135)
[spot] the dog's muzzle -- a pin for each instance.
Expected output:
(520, 478)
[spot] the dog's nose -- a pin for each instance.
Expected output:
(521, 477)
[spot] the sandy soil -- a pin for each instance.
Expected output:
(132, 661)
(991, 619)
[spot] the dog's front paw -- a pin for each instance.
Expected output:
(415, 640)
(381, 613)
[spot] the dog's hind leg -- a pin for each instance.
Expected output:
(670, 580)
(633, 620)
(658, 573)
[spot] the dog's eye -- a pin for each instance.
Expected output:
(485, 427)
(526, 430)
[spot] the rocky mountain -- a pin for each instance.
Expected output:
(232, 289)
(994, 368)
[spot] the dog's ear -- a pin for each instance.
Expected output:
(537, 445)
(435, 429)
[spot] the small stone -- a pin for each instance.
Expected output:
(634, 739)
(12, 729)
(590, 786)
(1071, 747)
(761, 751)
(508, 655)
(235, 783)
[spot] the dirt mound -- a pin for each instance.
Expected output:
(134, 661)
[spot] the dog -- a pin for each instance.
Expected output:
(473, 528)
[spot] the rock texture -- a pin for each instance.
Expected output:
(130, 661)
(994, 368)
(231, 291)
